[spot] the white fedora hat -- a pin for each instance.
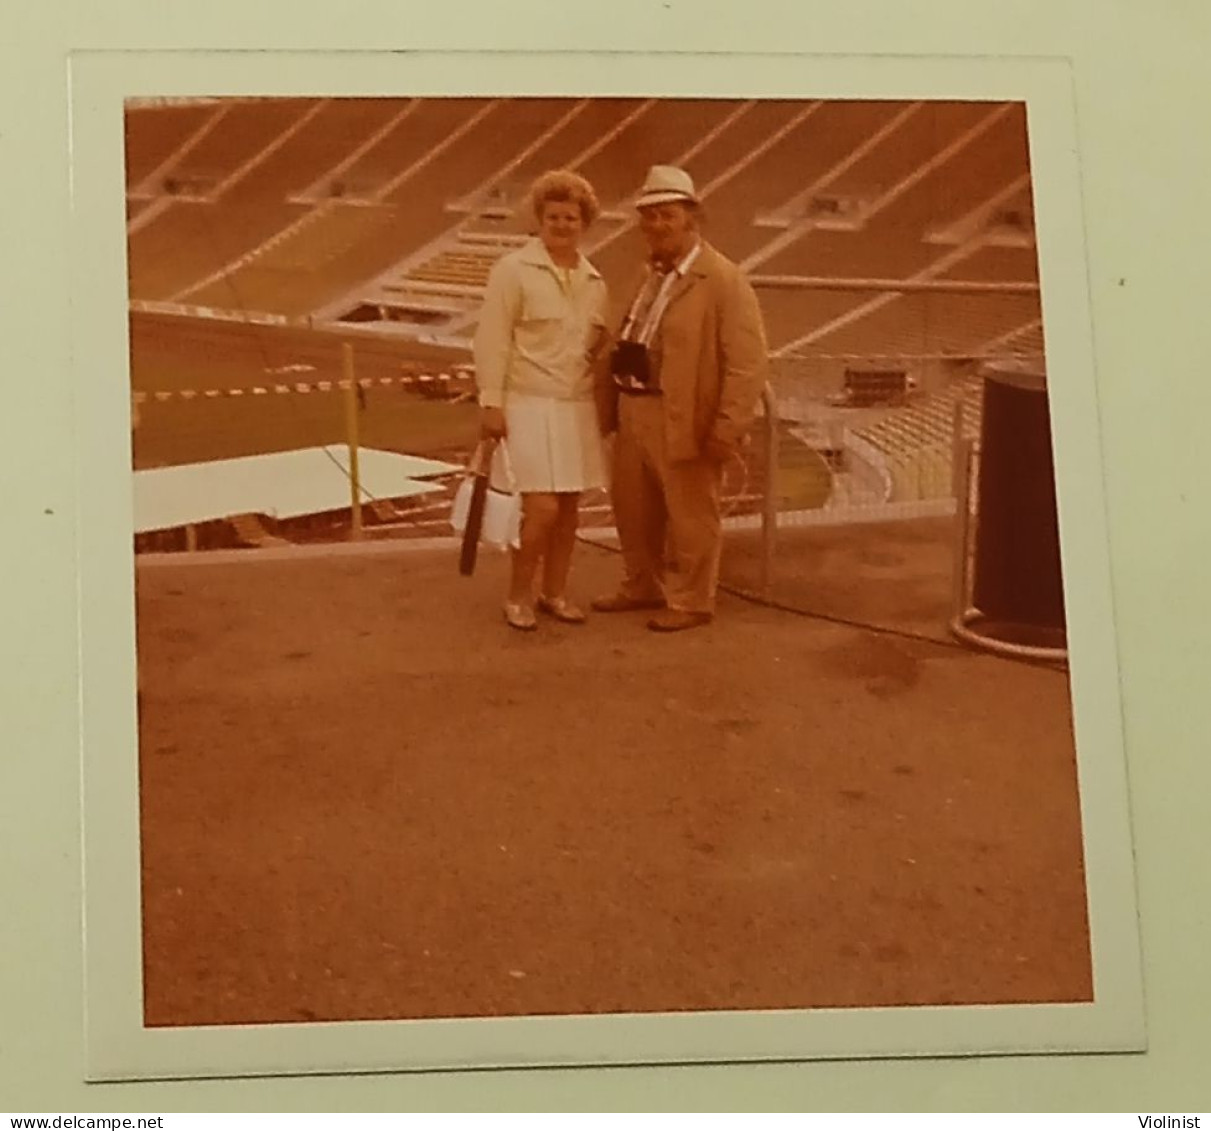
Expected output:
(666, 183)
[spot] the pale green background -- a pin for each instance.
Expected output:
(1144, 147)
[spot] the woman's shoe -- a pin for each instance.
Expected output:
(520, 617)
(561, 609)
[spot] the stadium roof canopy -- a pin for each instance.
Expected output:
(281, 485)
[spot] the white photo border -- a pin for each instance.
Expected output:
(119, 1047)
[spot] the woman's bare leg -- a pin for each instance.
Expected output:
(539, 513)
(560, 543)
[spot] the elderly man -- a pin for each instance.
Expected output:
(685, 380)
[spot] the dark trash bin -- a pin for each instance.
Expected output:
(1017, 591)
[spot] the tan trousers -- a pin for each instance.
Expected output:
(668, 514)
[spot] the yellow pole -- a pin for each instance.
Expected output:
(351, 438)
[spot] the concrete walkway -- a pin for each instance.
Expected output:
(364, 797)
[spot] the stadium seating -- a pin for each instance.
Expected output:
(307, 207)
(913, 447)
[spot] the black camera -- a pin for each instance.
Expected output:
(630, 364)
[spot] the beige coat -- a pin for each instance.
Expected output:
(713, 359)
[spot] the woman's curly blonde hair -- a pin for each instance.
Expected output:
(567, 188)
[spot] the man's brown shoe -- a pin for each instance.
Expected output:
(676, 620)
(621, 603)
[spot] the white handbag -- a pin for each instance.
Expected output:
(502, 504)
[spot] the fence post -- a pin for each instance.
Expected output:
(960, 484)
(351, 436)
(956, 438)
(962, 557)
(769, 512)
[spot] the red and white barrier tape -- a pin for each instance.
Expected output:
(141, 396)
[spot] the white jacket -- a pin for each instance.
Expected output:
(539, 327)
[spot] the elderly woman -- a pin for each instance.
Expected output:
(540, 331)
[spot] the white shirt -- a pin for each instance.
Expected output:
(538, 327)
(642, 329)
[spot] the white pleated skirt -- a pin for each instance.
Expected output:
(554, 445)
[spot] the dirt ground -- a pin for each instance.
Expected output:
(363, 797)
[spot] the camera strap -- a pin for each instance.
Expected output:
(658, 302)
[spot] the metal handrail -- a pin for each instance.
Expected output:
(893, 286)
